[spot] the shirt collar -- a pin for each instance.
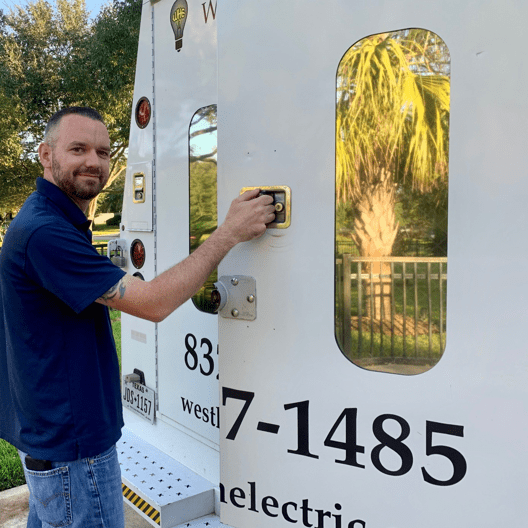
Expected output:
(66, 205)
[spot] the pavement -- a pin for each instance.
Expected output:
(14, 510)
(104, 237)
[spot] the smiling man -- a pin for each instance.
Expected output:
(60, 401)
(76, 157)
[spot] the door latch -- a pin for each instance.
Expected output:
(281, 195)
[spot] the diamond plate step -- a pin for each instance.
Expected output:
(160, 489)
(209, 521)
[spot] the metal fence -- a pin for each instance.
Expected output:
(391, 309)
(101, 248)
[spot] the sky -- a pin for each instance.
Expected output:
(93, 6)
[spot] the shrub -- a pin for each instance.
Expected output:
(114, 221)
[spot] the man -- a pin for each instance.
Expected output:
(60, 399)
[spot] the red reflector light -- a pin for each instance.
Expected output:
(137, 253)
(143, 112)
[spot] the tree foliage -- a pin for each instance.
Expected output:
(392, 128)
(17, 171)
(202, 174)
(52, 57)
(111, 197)
(393, 111)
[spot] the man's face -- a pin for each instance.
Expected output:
(80, 158)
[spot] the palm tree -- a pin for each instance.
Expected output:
(392, 124)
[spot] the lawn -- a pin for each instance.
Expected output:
(11, 473)
(104, 230)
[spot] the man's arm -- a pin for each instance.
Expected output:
(155, 300)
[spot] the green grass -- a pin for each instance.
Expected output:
(115, 317)
(103, 229)
(11, 472)
(373, 346)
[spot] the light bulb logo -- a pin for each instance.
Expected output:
(178, 17)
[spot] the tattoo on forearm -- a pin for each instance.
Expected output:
(111, 294)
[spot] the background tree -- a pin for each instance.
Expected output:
(111, 197)
(108, 63)
(391, 135)
(17, 173)
(203, 171)
(202, 191)
(53, 57)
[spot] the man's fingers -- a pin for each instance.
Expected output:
(249, 214)
(249, 195)
(253, 194)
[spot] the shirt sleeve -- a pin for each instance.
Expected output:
(62, 260)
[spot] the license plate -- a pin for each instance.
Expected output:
(140, 399)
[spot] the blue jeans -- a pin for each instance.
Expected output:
(84, 493)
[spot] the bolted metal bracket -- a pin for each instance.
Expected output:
(236, 297)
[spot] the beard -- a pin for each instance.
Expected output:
(83, 188)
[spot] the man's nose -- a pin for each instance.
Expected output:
(92, 159)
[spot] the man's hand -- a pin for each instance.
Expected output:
(248, 216)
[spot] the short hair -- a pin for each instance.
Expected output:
(53, 123)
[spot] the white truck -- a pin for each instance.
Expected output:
(254, 417)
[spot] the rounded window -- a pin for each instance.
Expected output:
(392, 154)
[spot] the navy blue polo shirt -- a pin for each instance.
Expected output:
(59, 372)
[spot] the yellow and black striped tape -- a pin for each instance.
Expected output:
(141, 504)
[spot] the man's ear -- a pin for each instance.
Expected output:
(44, 152)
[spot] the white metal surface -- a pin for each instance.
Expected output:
(210, 521)
(277, 94)
(185, 82)
(138, 337)
(177, 85)
(178, 494)
(277, 70)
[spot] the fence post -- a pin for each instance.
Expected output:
(404, 272)
(360, 307)
(429, 309)
(415, 309)
(339, 301)
(347, 303)
(393, 307)
(441, 293)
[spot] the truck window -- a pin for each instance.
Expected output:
(392, 141)
(203, 214)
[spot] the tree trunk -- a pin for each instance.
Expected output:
(90, 213)
(375, 230)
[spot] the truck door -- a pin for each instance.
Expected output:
(313, 432)
(174, 157)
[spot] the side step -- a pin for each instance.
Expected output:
(160, 489)
(210, 521)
